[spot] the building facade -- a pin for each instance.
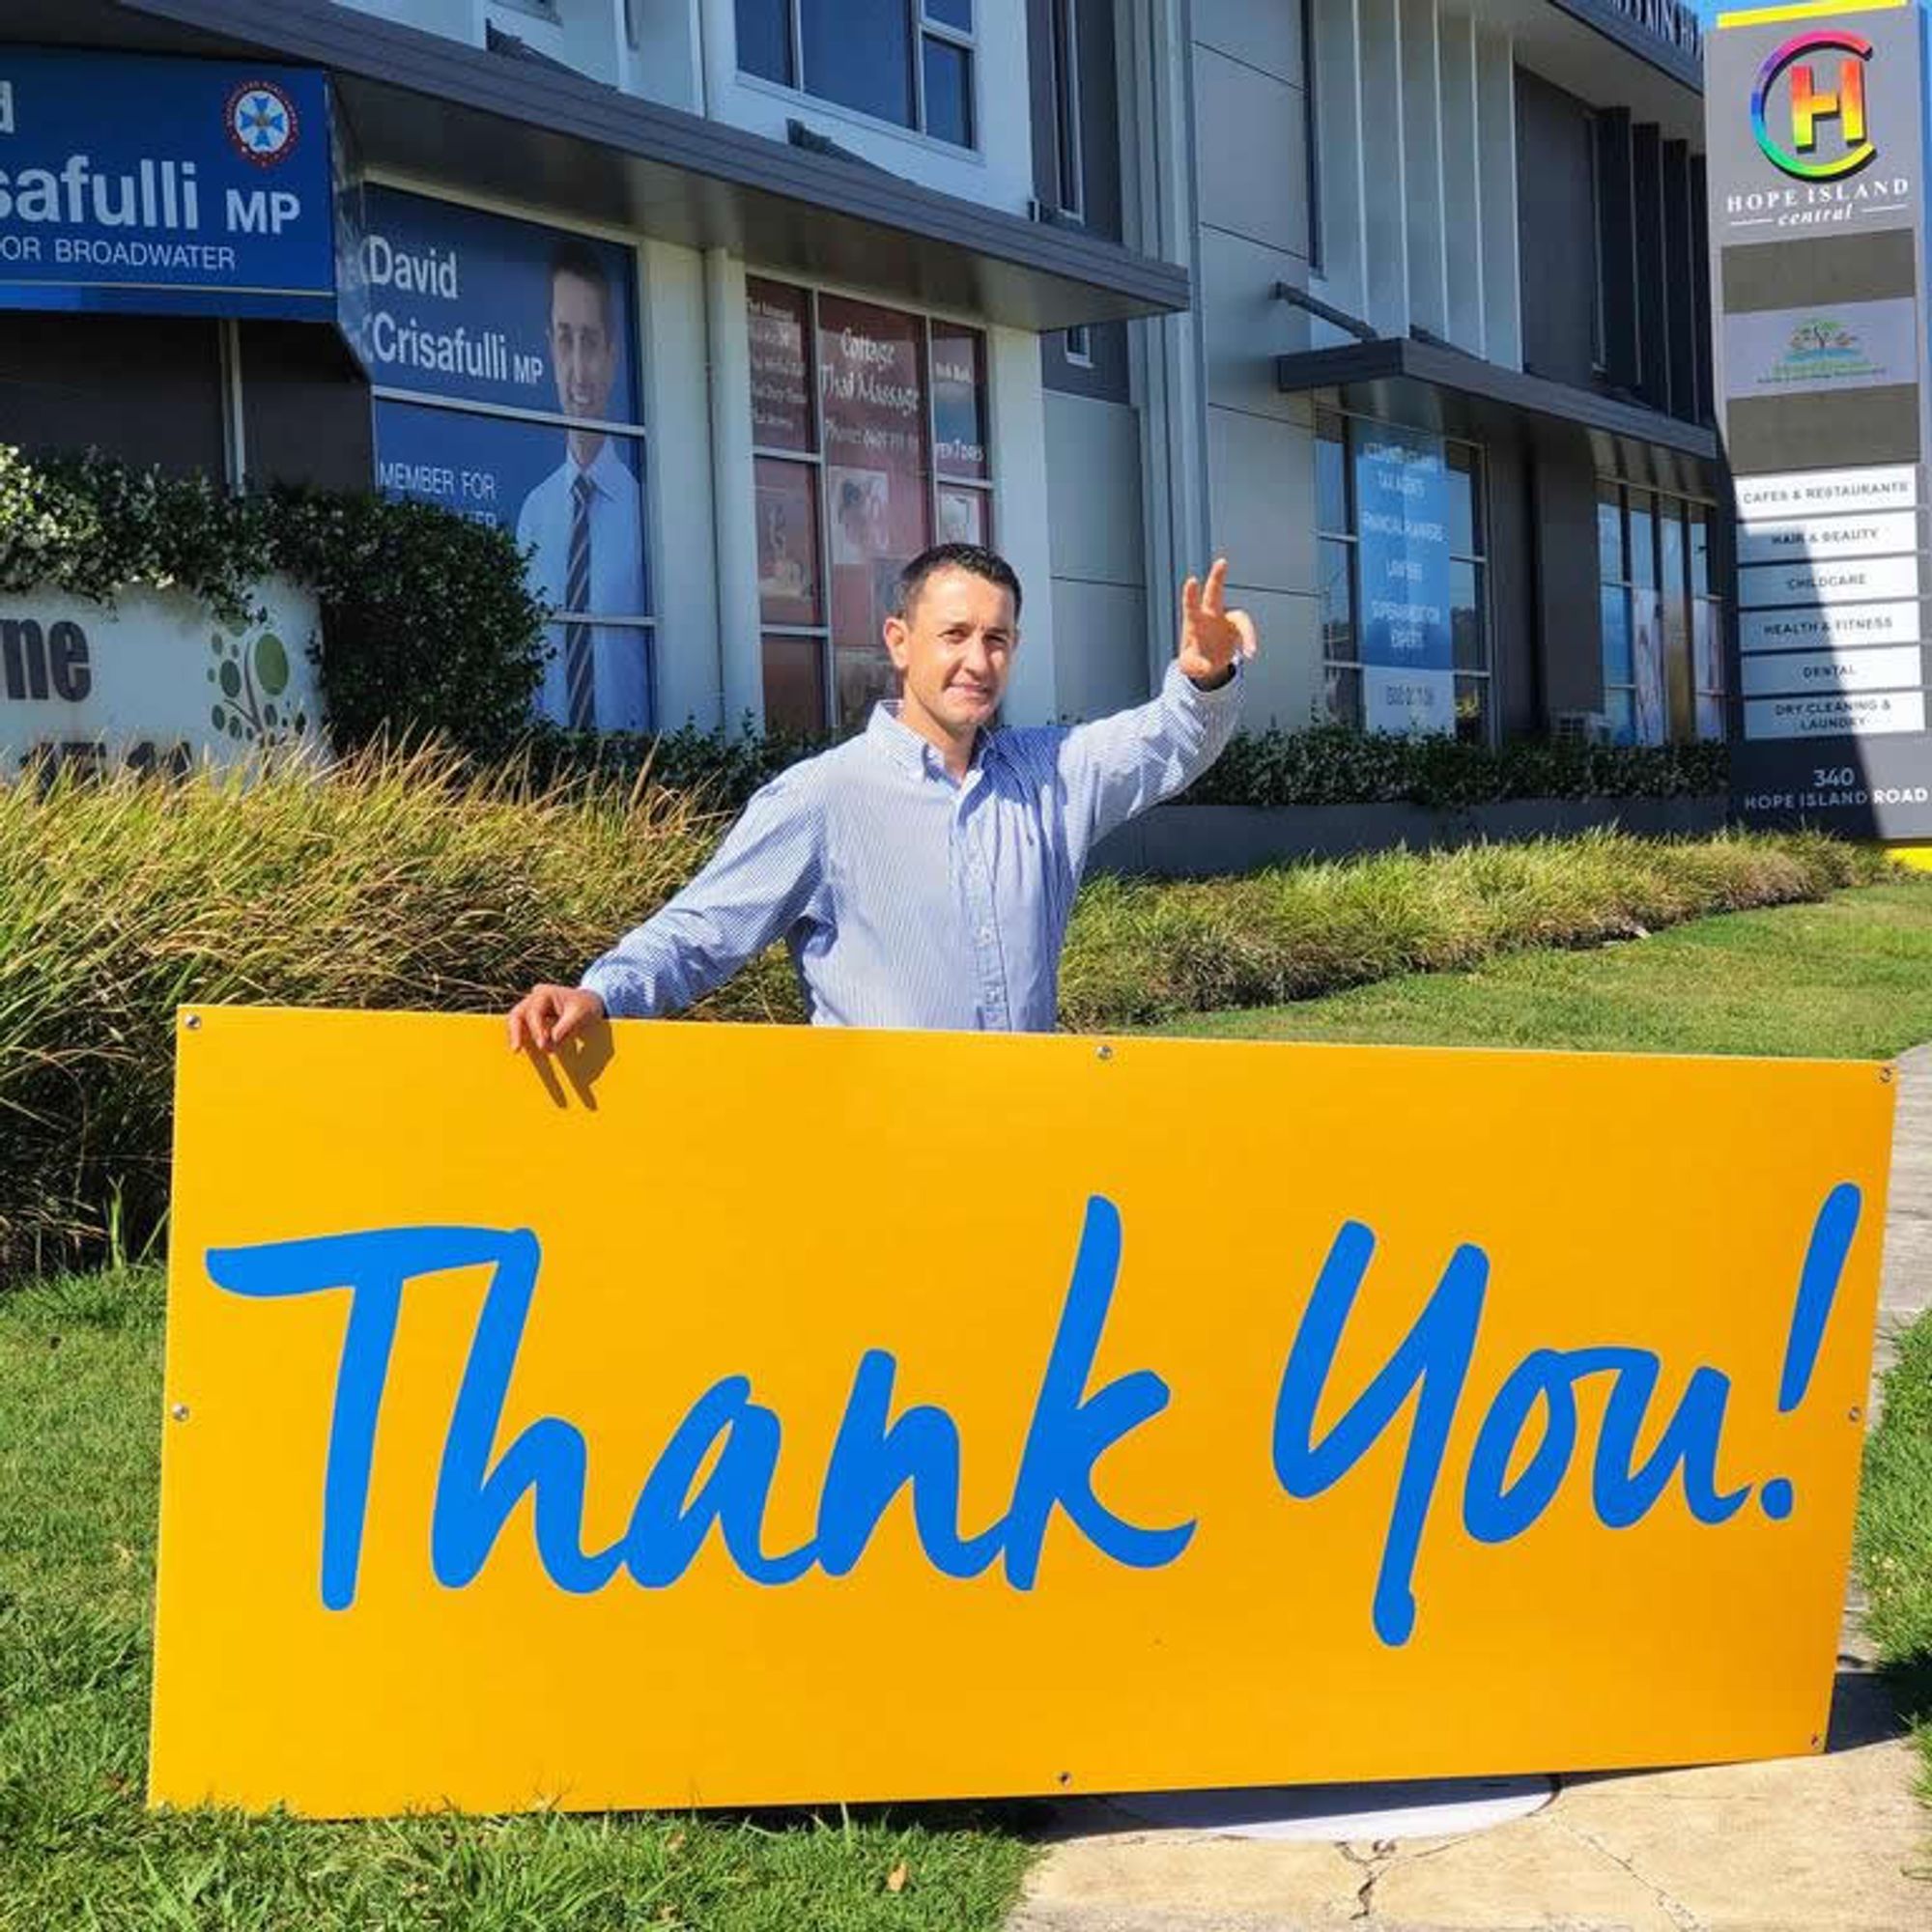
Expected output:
(726, 307)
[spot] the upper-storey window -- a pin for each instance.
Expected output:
(909, 61)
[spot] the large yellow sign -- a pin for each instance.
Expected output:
(745, 1415)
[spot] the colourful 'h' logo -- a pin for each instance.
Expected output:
(1810, 107)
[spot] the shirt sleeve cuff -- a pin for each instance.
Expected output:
(1228, 693)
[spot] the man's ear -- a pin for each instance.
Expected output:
(895, 642)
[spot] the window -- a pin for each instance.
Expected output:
(1661, 630)
(1078, 343)
(1311, 136)
(1469, 607)
(1599, 352)
(908, 62)
(870, 435)
(1707, 629)
(1072, 164)
(508, 388)
(1335, 572)
(1401, 580)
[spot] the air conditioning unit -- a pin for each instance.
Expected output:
(1587, 727)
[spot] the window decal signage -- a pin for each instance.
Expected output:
(505, 356)
(1402, 495)
(479, 1492)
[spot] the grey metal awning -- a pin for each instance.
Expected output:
(1432, 387)
(553, 139)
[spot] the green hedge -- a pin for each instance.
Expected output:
(396, 882)
(427, 627)
(1324, 764)
(1329, 765)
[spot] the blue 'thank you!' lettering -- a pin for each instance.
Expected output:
(716, 1469)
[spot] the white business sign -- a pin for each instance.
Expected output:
(1897, 669)
(1831, 582)
(1827, 493)
(1873, 714)
(1840, 628)
(155, 682)
(1883, 533)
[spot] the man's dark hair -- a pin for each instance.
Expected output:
(578, 259)
(973, 558)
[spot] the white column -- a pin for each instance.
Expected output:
(1422, 167)
(1020, 515)
(1386, 215)
(734, 535)
(1495, 146)
(1462, 189)
(1173, 370)
(1337, 95)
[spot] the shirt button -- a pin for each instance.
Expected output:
(987, 934)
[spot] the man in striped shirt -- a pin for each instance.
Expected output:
(923, 873)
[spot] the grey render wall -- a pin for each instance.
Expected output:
(1101, 650)
(1250, 108)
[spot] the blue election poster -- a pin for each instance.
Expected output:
(161, 187)
(1402, 495)
(459, 304)
(503, 355)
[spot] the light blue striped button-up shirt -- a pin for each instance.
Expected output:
(908, 898)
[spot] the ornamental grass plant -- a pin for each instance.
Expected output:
(400, 879)
(393, 880)
(1142, 950)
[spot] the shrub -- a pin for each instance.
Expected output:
(426, 626)
(411, 881)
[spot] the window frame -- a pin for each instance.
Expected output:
(1070, 182)
(641, 434)
(1334, 669)
(921, 26)
(1682, 510)
(987, 486)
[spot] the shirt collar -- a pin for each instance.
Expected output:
(600, 469)
(906, 749)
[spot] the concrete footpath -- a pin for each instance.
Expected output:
(1832, 1843)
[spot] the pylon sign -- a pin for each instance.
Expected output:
(1816, 138)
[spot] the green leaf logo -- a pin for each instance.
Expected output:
(271, 663)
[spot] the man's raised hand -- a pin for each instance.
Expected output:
(1212, 638)
(546, 1016)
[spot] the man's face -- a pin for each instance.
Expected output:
(955, 648)
(581, 353)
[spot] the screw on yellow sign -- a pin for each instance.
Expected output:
(748, 1416)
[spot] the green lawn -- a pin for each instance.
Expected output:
(1894, 1549)
(1849, 976)
(80, 1380)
